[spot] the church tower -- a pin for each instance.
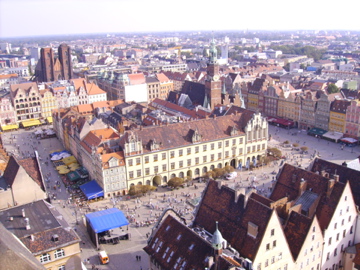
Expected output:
(212, 82)
(217, 244)
(64, 53)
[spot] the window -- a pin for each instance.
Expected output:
(45, 258)
(138, 173)
(342, 222)
(172, 165)
(164, 167)
(188, 151)
(59, 253)
(274, 243)
(204, 148)
(313, 237)
(180, 153)
(233, 141)
(335, 225)
(280, 256)
(240, 151)
(226, 154)
(212, 157)
(156, 169)
(204, 159)
(130, 162)
(189, 162)
(259, 266)
(340, 212)
(240, 140)
(147, 159)
(267, 246)
(147, 171)
(347, 209)
(197, 160)
(349, 218)
(219, 155)
(329, 241)
(337, 237)
(155, 157)
(344, 233)
(335, 252)
(272, 232)
(351, 230)
(131, 174)
(163, 156)
(137, 161)
(345, 198)
(172, 154)
(219, 144)
(212, 146)
(273, 259)
(266, 263)
(227, 143)
(196, 149)
(181, 164)
(328, 256)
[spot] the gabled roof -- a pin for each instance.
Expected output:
(195, 91)
(339, 106)
(345, 174)
(175, 245)
(296, 230)
(162, 77)
(288, 185)
(218, 204)
(95, 137)
(30, 166)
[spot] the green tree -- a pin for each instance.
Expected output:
(175, 182)
(139, 190)
(273, 151)
(332, 88)
(229, 169)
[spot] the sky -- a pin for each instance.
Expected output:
(58, 17)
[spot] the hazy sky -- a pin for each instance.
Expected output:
(53, 17)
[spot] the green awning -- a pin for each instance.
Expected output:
(73, 176)
(316, 131)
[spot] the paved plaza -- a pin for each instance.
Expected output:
(146, 209)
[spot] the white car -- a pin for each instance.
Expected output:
(231, 175)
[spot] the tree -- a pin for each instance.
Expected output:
(139, 190)
(332, 88)
(304, 148)
(175, 182)
(228, 169)
(295, 144)
(219, 172)
(274, 152)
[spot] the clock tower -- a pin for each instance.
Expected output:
(212, 82)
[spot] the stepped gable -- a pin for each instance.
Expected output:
(218, 204)
(178, 134)
(288, 185)
(296, 230)
(345, 174)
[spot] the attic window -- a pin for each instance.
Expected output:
(196, 137)
(167, 228)
(234, 131)
(191, 246)
(55, 238)
(179, 237)
(252, 229)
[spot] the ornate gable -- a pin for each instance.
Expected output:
(196, 137)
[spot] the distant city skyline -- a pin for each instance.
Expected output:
(23, 18)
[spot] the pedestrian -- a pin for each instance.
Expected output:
(137, 257)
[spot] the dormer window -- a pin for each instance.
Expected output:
(196, 137)
(154, 145)
(55, 238)
(234, 131)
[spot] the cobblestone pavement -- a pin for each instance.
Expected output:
(147, 208)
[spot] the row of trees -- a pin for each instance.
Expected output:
(298, 49)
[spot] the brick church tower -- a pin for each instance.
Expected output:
(212, 82)
(50, 68)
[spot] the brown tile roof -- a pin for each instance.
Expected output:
(30, 166)
(93, 89)
(106, 157)
(162, 78)
(218, 204)
(288, 185)
(339, 106)
(179, 134)
(137, 78)
(96, 137)
(296, 230)
(356, 260)
(345, 174)
(190, 250)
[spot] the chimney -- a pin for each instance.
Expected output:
(302, 186)
(336, 177)
(331, 183)
(23, 212)
(27, 224)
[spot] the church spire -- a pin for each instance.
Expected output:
(213, 51)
